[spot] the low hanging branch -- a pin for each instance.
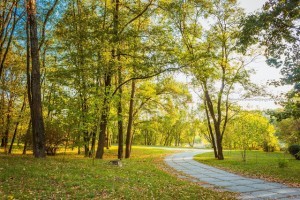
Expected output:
(148, 76)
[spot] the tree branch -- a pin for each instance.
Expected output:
(146, 77)
(137, 16)
(50, 11)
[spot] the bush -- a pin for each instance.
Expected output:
(295, 151)
(55, 137)
(282, 163)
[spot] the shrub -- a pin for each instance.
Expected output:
(55, 137)
(295, 151)
(282, 163)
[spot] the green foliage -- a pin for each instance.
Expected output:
(282, 163)
(161, 114)
(251, 130)
(295, 151)
(288, 130)
(259, 165)
(55, 137)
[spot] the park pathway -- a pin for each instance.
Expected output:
(248, 188)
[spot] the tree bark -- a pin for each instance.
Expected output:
(104, 117)
(8, 122)
(38, 129)
(130, 121)
(217, 122)
(120, 121)
(27, 137)
(16, 127)
(213, 142)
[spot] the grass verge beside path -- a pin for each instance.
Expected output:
(144, 176)
(258, 165)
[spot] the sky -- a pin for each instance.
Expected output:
(251, 5)
(263, 73)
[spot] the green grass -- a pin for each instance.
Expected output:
(144, 176)
(259, 165)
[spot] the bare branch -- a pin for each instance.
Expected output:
(50, 11)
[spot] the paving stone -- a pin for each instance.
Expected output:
(199, 176)
(243, 182)
(226, 174)
(241, 188)
(265, 186)
(279, 185)
(266, 194)
(192, 173)
(248, 196)
(226, 183)
(209, 179)
(279, 196)
(287, 190)
(228, 178)
(257, 180)
(195, 169)
(295, 194)
(232, 178)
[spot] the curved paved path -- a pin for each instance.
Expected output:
(248, 188)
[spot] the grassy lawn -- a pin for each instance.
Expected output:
(259, 165)
(144, 176)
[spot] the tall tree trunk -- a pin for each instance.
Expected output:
(82, 81)
(38, 128)
(104, 116)
(130, 121)
(120, 81)
(120, 121)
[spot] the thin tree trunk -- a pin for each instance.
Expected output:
(8, 120)
(120, 125)
(86, 136)
(93, 144)
(2, 114)
(104, 117)
(130, 121)
(27, 136)
(6, 32)
(213, 142)
(38, 128)
(217, 122)
(17, 124)
(120, 81)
